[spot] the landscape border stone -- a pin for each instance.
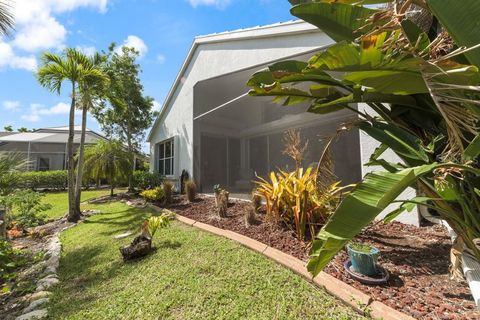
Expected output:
(359, 301)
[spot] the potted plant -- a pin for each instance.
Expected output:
(363, 258)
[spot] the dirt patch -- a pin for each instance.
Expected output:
(417, 259)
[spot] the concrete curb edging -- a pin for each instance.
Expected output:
(359, 301)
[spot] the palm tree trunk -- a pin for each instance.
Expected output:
(78, 187)
(72, 216)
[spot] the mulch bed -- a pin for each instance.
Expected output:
(417, 259)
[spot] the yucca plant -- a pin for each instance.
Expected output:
(421, 78)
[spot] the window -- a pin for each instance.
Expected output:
(43, 164)
(165, 157)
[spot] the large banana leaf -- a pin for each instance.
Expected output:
(361, 206)
(460, 18)
(338, 20)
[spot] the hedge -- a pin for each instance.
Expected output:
(52, 180)
(144, 180)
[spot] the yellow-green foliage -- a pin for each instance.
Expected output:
(157, 222)
(296, 198)
(156, 194)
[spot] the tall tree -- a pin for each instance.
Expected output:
(91, 91)
(74, 67)
(8, 128)
(6, 18)
(107, 160)
(128, 113)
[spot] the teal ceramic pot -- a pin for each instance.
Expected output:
(364, 262)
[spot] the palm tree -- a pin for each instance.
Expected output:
(75, 67)
(107, 160)
(6, 18)
(90, 92)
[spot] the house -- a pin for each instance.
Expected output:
(210, 127)
(45, 149)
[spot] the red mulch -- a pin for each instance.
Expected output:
(417, 259)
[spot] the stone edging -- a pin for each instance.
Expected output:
(349, 295)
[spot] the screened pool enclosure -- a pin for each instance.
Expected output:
(237, 137)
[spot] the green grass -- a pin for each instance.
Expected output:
(59, 200)
(192, 275)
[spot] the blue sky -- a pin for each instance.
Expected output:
(161, 30)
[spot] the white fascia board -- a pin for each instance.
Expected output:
(269, 31)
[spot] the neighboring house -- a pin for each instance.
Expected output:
(45, 149)
(209, 126)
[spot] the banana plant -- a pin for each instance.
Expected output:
(422, 81)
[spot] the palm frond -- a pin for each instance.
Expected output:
(6, 19)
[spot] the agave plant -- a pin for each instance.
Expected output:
(418, 84)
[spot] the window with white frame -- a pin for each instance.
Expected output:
(165, 157)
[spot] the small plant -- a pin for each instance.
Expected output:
(142, 244)
(191, 190)
(217, 189)
(25, 208)
(157, 194)
(256, 201)
(157, 222)
(168, 188)
(360, 247)
(250, 215)
(222, 204)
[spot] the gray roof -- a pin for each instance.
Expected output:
(47, 137)
(5, 133)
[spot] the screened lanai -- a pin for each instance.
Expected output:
(237, 137)
(43, 150)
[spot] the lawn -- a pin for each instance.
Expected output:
(59, 200)
(192, 275)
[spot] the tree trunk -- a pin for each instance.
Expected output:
(72, 216)
(112, 183)
(78, 188)
(131, 153)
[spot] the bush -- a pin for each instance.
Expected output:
(191, 190)
(144, 180)
(26, 208)
(156, 194)
(34, 180)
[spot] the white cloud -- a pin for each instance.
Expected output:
(39, 110)
(136, 43)
(89, 51)
(8, 59)
(161, 58)
(156, 106)
(214, 3)
(11, 105)
(38, 29)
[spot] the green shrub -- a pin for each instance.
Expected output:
(9, 260)
(26, 208)
(144, 180)
(52, 180)
(156, 194)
